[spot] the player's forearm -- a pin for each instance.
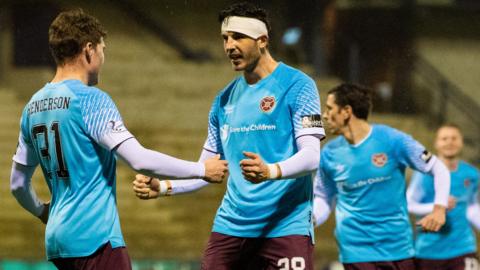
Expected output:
(473, 215)
(168, 187)
(321, 210)
(441, 183)
(325, 194)
(21, 188)
(305, 161)
(420, 209)
(414, 206)
(156, 164)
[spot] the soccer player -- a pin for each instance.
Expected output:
(454, 247)
(363, 171)
(267, 124)
(74, 130)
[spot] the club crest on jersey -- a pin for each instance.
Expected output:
(380, 159)
(467, 182)
(267, 103)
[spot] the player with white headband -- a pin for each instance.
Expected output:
(267, 125)
(251, 27)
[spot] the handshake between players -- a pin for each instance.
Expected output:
(253, 168)
(145, 187)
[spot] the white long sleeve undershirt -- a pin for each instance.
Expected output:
(140, 159)
(305, 161)
(324, 201)
(321, 210)
(473, 215)
(21, 188)
(190, 185)
(441, 182)
(156, 164)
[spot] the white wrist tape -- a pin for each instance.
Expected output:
(163, 187)
(251, 27)
(166, 188)
(274, 171)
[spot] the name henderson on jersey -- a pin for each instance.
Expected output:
(48, 104)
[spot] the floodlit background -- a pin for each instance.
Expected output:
(165, 63)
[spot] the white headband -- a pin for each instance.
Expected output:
(251, 27)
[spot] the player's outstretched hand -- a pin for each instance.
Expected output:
(146, 187)
(254, 168)
(435, 220)
(44, 215)
(216, 170)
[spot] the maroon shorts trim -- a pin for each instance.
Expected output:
(225, 252)
(105, 258)
(407, 264)
(464, 262)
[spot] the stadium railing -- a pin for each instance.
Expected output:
(164, 32)
(443, 102)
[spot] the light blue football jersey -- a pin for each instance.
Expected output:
(368, 180)
(456, 238)
(265, 118)
(70, 129)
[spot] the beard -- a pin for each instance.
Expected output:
(250, 66)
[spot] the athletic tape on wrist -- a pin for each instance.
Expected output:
(169, 188)
(163, 188)
(274, 171)
(166, 188)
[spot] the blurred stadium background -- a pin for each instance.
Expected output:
(165, 63)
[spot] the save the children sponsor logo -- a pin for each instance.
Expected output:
(226, 130)
(346, 185)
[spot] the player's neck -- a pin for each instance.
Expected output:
(451, 163)
(70, 71)
(357, 131)
(265, 66)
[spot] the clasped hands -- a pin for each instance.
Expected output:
(253, 169)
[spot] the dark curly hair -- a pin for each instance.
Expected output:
(245, 9)
(69, 33)
(356, 96)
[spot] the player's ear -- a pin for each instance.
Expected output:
(87, 57)
(347, 110)
(88, 50)
(262, 42)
